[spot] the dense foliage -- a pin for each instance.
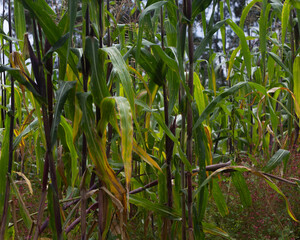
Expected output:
(130, 120)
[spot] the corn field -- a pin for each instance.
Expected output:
(116, 119)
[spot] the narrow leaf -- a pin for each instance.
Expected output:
(241, 186)
(202, 47)
(61, 97)
(211, 106)
(31, 127)
(219, 199)
(280, 156)
(296, 79)
(156, 207)
(244, 44)
(145, 156)
(69, 140)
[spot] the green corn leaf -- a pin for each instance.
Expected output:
(280, 156)
(31, 127)
(296, 79)
(46, 18)
(263, 21)
(223, 33)
(167, 59)
(156, 207)
(211, 106)
(69, 140)
(241, 186)
(122, 72)
(96, 60)
(285, 19)
(219, 199)
(146, 11)
(244, 44)
(296, 3)
(273, 116)
(20, 23)
(271, 64)
(161, 122)
(201, 48)
(212, 229)
(4, 162)
(61, 97)
(50, 197)
(198, 6)
(60, 42)
(232, 59)
(259, 88)
(278, 61)
(246, 11)
(121, 69)
(151, 65)
(16, 74)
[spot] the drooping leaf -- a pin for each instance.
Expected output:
(126, 130)
(278, 61)
(61, 97)
(202, 47)
(96, 149)
(219, 199)
(246, 11)
(218, 99)
(241, 186)
(122, 72)
(244, 44)
(31, 127)
(156, 207)
(214, 230)
(145, 156)
(198, 6)
(280, 156)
